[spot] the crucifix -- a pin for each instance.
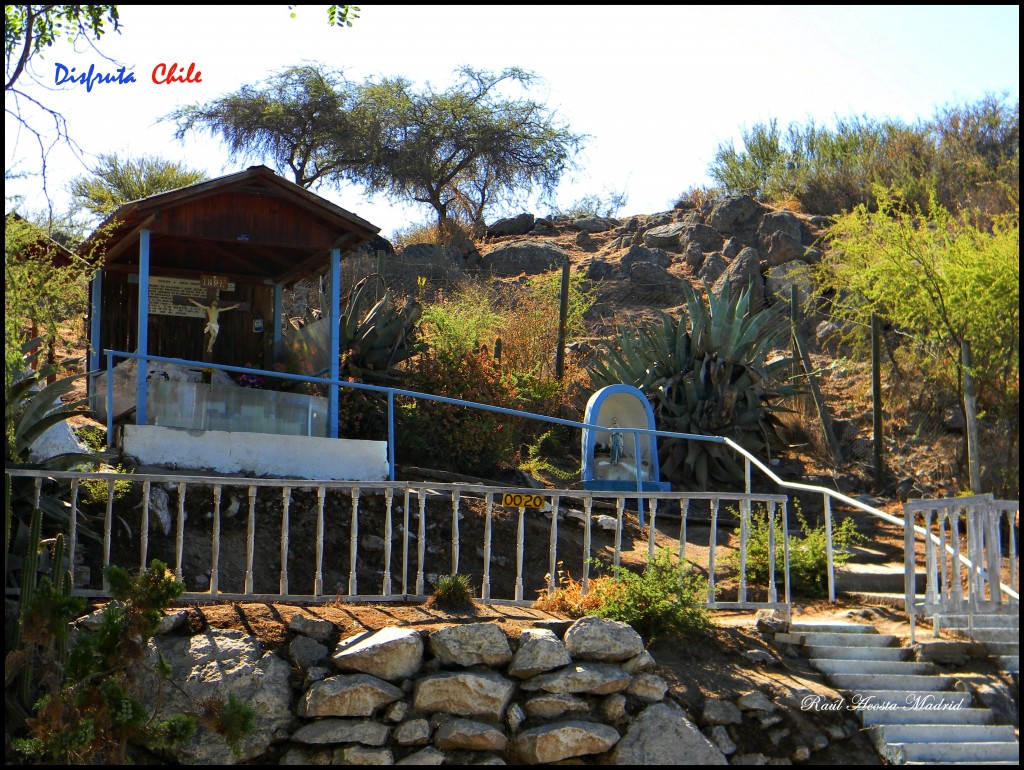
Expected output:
(212, 308)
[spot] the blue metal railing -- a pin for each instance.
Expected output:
(391, 393)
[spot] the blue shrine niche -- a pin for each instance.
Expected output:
(611, 457)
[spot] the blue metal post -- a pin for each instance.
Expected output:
(391, 433)
(277, 320)
(637, 457)
(332, 415)
(94, 326)
(110, 399)
(143, 346)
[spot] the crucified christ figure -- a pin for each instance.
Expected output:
(213, 311)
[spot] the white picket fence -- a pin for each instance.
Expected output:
(405, 517)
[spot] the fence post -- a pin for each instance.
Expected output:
(970, 413)
(876, 399)
(563, 315)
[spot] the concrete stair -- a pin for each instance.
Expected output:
(998, 631)
(911, 711)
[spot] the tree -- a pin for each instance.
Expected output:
(115, 181)
(462, 150)
(305, 120)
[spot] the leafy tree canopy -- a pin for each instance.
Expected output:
(459, 151)
(115, 181)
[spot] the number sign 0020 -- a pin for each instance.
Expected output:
(516, 500)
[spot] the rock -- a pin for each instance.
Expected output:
(171, 622)
(666, 237)
(693, 257)
(749, 759)
(779, 221)
(712, 268)
(216, 664)
(362, 755)
(718, 711)
(392, 653)
(732, 247)
(729, 214)
(347, 695)
(398, 711)
(720, 737)
(800, 753)
(320, 630)
(529, 256)
(514, 717)
(744, 271)
(781, 248)
(825, 331)
(539, 651)
(597, 269)
(756, 701)
(465, 693)
(159, 509)
(365, 731)
(590, 678)
(427, 756)
(640, 664)
(555, 706)
(650, 688)
(662, 735)
(306, 653)
(613, 707)
(761, 657)
(701, 236)
(469, 735)
(519, 225)
(593, 638)
(585, 242)
(415, 732)
(470, 645)
(595, 224)
(315, 674)
(564, 740)
(658, 257)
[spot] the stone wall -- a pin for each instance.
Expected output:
(463, 694)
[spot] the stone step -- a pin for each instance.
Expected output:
(909, 682)
(888, 667)
(976, 753)
(924, 700)
(995, 635)
(865, 555)
(833, 652)
(966, 733)
(881, 578)
(927, 716)
(817, 639)
(980, 621)
(837, 627)
(1009, 663)
(1002, 648)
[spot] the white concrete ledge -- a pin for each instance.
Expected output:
(262, 454)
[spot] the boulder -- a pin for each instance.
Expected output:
(655, 256)
(469, 735)
(779, 221)
(351, 695)
(217, 664)
(519, 225)
(564, 740)
(471, 644)
(368, 732)
(662, 735)
(712, 268)
(392, 653)
(552, 706)
(593, 638)
(703, 237)
(482, 694)
(779, 281)
(595, 224)
(781, 248)
(666, 236)
(539, 651)
(729, 214)
(744, 271)
(589, 678)
(529, 256)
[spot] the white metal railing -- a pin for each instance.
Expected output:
(417, 527)
(964, 560)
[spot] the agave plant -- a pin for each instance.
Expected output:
(374, 339)
(708, 374)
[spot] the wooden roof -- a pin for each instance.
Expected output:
(253, 227)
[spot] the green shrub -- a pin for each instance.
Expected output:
(458, 438)
(666, 598)
(808, 551)
(94, 491)
(452, 592)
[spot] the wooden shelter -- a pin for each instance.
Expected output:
(239, 239)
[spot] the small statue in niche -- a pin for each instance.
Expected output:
(213, 311)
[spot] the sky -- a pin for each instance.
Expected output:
(657, 89)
